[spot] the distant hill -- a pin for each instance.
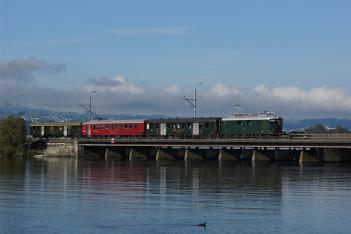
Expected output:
(296, 125)
(40, 115)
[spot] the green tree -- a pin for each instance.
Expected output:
(12, 137)
(318, 128)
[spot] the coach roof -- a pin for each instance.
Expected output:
(124, 121)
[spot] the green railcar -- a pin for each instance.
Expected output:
(54, 129)
(182, 127)
(262, 124)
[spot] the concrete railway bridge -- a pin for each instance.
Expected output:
(302, 148)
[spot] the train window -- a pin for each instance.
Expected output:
(130, 126)
(249, 122)
(239, 123)
(125, 126)
(135, 125)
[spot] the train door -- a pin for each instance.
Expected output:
(196, 129)
(163, 129)
(89, 130)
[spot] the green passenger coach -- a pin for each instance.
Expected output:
(182, 127)
(259, 124)
(55, 129)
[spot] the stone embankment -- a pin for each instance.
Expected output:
(61, 148)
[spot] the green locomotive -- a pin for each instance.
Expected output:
(260, 124)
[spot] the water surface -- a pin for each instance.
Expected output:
(70, 196)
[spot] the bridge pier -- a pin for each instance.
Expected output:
(212, 154)
(193, 155)
(92, 153)
(336, 155)
(166, 154)
(263, 155)
(138, 154)
(287, 155)
(310, 156)
(229, 155)
(118, 154)
(246, 154)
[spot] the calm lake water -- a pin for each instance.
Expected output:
(69, 196)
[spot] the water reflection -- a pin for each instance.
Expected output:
(96, 196)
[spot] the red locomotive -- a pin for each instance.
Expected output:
(103, 128)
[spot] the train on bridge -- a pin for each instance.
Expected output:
(262, 124)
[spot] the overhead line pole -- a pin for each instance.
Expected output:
(193, 101)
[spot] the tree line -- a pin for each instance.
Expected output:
(320, 128)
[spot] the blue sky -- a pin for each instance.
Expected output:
(158, 44)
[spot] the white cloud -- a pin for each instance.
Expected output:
(173, 90)
(221, 90)
(120, 95)
(153, 31)
(322, 98)
(118, 84)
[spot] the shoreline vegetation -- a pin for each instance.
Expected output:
(13, 138)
